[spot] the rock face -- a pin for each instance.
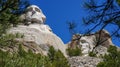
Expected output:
(33, 14)
(88, 43)
(38, 36)
(82, 61)
(105, 39)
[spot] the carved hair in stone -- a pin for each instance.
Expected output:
(33, 14)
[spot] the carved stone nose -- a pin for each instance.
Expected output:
(33, 12)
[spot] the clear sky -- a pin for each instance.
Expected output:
(59, 12)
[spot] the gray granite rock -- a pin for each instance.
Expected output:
(83, 61)
(41, 35)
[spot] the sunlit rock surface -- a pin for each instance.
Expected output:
(33, 14)
(88, 42)
(83, 61)
(38, 36)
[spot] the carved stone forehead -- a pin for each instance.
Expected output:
(33, 7)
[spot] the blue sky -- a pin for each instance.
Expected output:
(58, 12)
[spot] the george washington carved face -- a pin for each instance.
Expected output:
(33, 14)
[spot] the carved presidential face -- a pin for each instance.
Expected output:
(34, 15)
(87, 44)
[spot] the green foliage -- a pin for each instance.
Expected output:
(9, 16)
(112, 59)
(9, 40)
(57, 59)
(74, 52)
(51, 53)
(60, 60)
(92, 54)
(112, 50)
(118, 1)
(9, 13)
(21, 59)
(29, 59)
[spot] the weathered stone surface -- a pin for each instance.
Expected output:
(33, 14)
(40, 36)
(88, 43)
(100, 50)
(105, 38)
(84, 61)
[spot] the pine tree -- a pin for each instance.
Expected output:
(57, 59)
(112, 59)
(9, 13)
(74, 51)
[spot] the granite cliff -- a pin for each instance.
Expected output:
(38, 36)
(88, 43)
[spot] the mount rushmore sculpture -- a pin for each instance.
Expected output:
(88, 42)
(38, 36)
(33, 14)
(34, 17)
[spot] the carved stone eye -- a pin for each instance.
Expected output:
(83, 41)
(37, 9)
(30, 9)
